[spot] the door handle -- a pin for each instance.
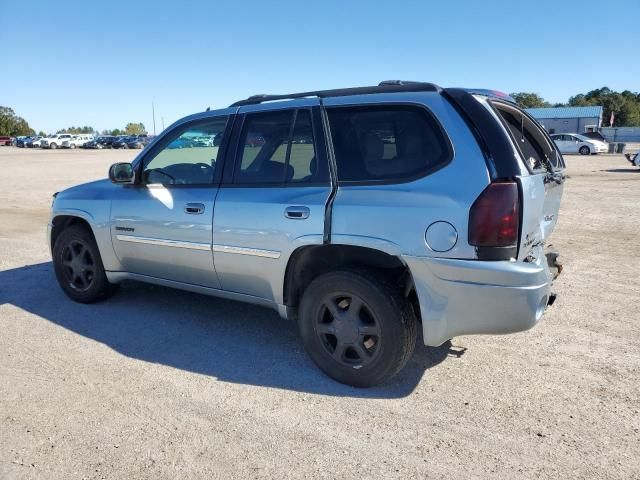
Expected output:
(194, 208)
(296, 212)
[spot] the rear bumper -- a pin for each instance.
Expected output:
(466, 297)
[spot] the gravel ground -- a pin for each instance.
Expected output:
(157, 383)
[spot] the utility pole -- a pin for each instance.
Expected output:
(153, 113)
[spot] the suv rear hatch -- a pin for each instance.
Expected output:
(517, 150)
(541, 185)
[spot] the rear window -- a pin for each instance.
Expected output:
(386, 142)
(529, 137)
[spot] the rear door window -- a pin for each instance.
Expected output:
(386, 142)
(278, 148)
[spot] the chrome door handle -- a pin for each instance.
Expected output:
(296, 212)
(194, 208)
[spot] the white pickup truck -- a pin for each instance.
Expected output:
(55, 141)
(77, 141)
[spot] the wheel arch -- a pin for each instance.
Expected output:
(308, 262)
(63, 221)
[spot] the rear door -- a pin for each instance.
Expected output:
(273, 196)
(542, 183)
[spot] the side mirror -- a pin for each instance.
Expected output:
(121, 173)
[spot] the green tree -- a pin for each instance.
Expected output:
(41, 133)
(135, 129)
(529, 100)
(625, 106)
(13, 125)
(76, 130)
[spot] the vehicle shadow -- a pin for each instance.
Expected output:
(231, 341)
(622, 170)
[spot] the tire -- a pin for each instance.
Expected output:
(78, 266)
(584, 150)
(364, 347)
(53, 146)
(72, 146)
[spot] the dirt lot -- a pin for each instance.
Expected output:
(157, 383)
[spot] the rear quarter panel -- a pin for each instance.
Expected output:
(396, 216)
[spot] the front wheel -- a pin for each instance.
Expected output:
(585, 150)
(78, 266)
(357, 327)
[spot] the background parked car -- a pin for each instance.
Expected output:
(104, 141)
(55, 141)
(5, 140)
(20, 141)
(140, 141)
(122, 141)
(77, 141)
(33, 142)
(576, 143)
(634, 158)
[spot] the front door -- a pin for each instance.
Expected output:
(272, 199)
(162, 226)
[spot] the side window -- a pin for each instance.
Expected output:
(271, 151)
(303, 158)
(188, 157)
(386, 142)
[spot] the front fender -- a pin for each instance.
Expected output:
(96, 214)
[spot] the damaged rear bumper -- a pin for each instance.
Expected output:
(465, 297)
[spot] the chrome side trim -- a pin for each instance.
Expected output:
(255, 252)
(164, 243)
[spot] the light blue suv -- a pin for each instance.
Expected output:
(362, 213)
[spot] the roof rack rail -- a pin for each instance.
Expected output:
(388, 86)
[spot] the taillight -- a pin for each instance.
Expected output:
(494, 219)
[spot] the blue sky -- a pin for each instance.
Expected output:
(102, 63)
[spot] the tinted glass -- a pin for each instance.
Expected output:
(530, 138)
(190, 156)
(263, 148)
(272, 152)
(302, 156)
(386, 142)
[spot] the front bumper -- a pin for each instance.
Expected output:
(466, 297)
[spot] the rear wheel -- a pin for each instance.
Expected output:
(78, 266)
(53, 146)
(584, 150)
(357, 327)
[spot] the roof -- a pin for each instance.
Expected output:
(566, 112)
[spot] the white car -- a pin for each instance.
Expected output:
(576, 143)
(77, 141)
(55, 141)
